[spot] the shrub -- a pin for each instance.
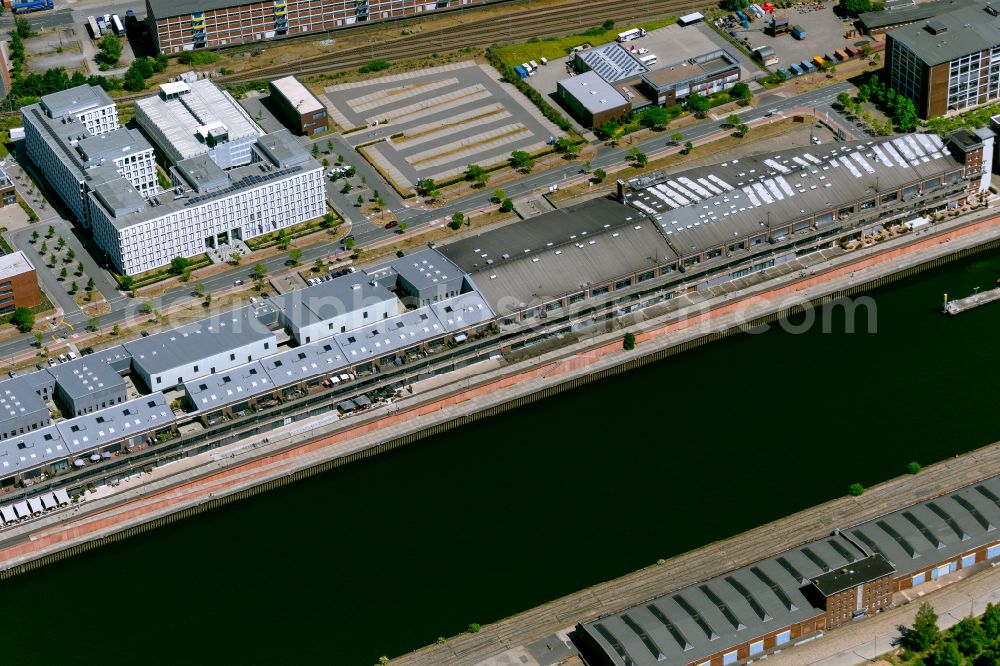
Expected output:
(913, 467)
(628, 342)
(23, 318)
(375, 66)
(856, 490)
(197, 58)
(474, 628)
(536, 98)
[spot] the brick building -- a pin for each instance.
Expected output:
(854, 591)
(298, 107)
(18, 283)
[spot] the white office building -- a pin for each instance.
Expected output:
(74, 139)
(186, 120)
(208, 207)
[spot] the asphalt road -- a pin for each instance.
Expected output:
(416, 216)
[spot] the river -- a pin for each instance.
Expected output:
(383, 556)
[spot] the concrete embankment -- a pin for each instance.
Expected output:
(219, 479)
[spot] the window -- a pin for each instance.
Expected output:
(364, 315)
(232, 357)
(993, 551)
(756, 648)
(968, 560)
(783, 638)
(159, 380)
(729, 658)
(196, 368)
(918, 579)
(865, 205)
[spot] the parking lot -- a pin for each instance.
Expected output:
(825, 33)
(433, 123)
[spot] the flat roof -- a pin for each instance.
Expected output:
(116, 423)
(85, 376)
(304, 362)
(164, 8)
(297, 94)
(863, 571)
(950, 35)
(592, 92)
(909, 12)
(215, 335)
(426, 269)
(462, 311)
(31, 449)
(389, 335)
(19, 399)
(75, 100)
(704, 65)
(117, 143)
(13, 264)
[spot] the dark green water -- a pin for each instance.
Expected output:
(384, 556)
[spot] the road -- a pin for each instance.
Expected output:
(416, 215)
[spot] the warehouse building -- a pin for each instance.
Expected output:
(427, 277)
(186, 120)
(612, 62)
(905, 13)
(202, 348)
(74, 139)
(86, 385)
(208, 207)
(947, 63)
(790, 598)
(186, 25)
(18, 283)
(706, 74)
(298, 106)
(591, 99)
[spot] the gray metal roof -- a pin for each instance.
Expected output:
(612, 62)
(201, 339)
(86, 375)
(223, 388)
(388, 335)
(910, 12)
(117, 357)
(462, 311)
(967, 29)
(31, 450)
(703, 619)
(593, 93)
(305, 362)
(330, 299)
(426, 269)
(283, 149)
(111, 145)
(75, 100)
(116, 423)
(164, 8)
(19, 399)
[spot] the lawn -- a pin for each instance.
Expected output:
(558, 47)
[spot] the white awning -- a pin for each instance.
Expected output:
(35, 504)
(62, 497)
(49, 501)
(22, 510)
(8, 514)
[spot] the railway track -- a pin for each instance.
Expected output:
(541, 23)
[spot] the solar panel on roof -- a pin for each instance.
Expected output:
(750, 599)
(943, 515)
(643, 636)
(682, 641)
(775, 588)
(723, 608)
(891, 531)
(790, 568)
(919, 524)
(816, 559)
(698, 619)
(973, 511)
(618, 647)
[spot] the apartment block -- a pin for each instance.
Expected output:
(18, 283)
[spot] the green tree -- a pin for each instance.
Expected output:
(328, 221)
(641, 160)
(315, 151)
(79, 268)
(498, 195)
(904, 114)
(186, 275)
(326, 163)
(346, 188)
(969, 637)
(698, 104)
(628, 342)
(522, 160)
(23, 319)
(474, 628)
(349, 243)
(947, 654)
(318, 266)
(855, 7)
(426, 185)
(608, 24)
(991, 621)
(63, 273)
(50, 232)
(735, 5)
(477, 174)
(742, 129)
(34, 236)
(383, 660)
(22, 27)
(259, 271)
(133, 80)
(567, 147)
(329, 146)
(53, 259)
(609, 129)
(200, 289)
(43, 248)
(340, 158)
(61, 242)
(844, 100)
(94, 323)
(127, 281)
(116, 330)
(688, 147)
(913, 467)
(586, 166)
(741, 91)
(506, 205)
(732, 120)
(856, 490)
(655, 117)
(924, 632)
(457, 220)
(146, 308)
(295, 254)
(676, 138)
(360, 201)
(74, 287)
(600, 175)
(110, 48)
(234, 258)
(178, 264)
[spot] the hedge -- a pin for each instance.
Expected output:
(536, 98)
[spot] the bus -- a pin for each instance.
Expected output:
(117, 25)
(629, 35)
